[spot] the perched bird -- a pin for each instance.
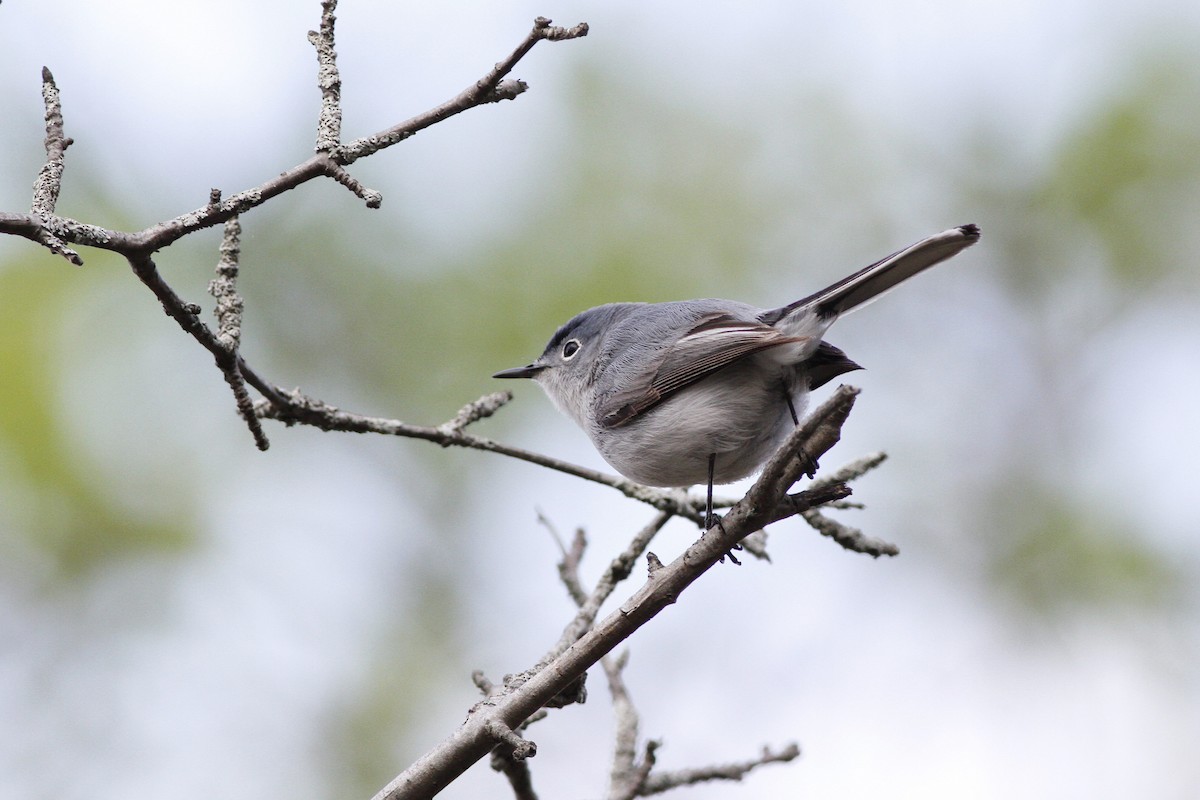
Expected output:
(704, 391)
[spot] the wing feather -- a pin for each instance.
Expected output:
(713, 344)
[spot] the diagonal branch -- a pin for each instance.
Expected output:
(589, 606)
(488, 89)
(474, 739)
(491, 88)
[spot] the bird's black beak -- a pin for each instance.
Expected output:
(521, 372)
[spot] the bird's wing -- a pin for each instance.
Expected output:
(715, 342)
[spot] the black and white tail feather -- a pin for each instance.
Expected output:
(874, 281)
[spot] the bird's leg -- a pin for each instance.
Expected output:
(711, 520)
(810, 468)
(791, 407)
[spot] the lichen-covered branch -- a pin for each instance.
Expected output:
(45, 228)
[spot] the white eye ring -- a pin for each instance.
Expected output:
(570, 348)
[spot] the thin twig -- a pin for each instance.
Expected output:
(229, 328)
(294, 407)
(520, 777)
(572, 557)
(329, 123)
(371, 197)
(625, 777)
(521, 748)
(664, 781)
(49, 180)
(850, 538)
(490, 88)
(224, 288)
(851, 471)
(476, 410)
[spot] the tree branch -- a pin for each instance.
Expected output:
(296, 408)
(472, 741)
(44, 227)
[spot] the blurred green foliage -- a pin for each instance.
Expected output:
(1120, 194)
(1050, 555)
(61, 504)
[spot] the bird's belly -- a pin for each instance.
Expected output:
(741, 419)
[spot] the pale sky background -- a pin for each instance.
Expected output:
(223, 671)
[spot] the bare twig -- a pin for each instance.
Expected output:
(476, 410)
(517, 771)
(568, 568)
(519, 747)
(627, 774)
(504, 759)
(229, 327)
(49, 180)
(511, 756)
(663, 781)
(329, 123)
(371, 197)
(483, 683)
(294, 407)
(850, 538)
(490, 88)
(224, 288)
(848, 472)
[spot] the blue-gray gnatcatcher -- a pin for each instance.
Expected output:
(676, 394)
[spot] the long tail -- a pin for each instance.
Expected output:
(871, 282)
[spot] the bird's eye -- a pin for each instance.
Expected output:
(570, 348)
